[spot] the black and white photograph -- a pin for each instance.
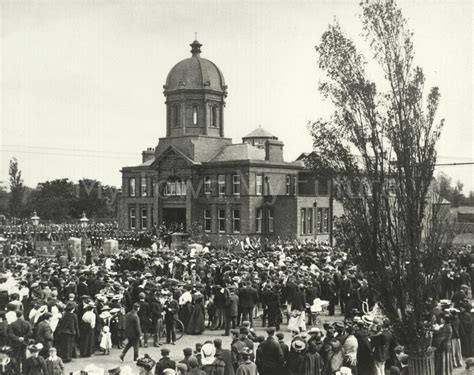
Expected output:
(236, 187)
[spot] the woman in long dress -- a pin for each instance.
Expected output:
(466, 332)
(442, 342)
(196, 320)
(87, 326)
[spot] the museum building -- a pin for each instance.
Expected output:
(196, 177)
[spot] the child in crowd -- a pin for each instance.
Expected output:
(54, 364)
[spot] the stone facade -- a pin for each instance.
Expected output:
(196, 176)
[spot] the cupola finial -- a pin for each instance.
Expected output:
(195, 46)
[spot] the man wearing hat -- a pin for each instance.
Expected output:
(156, 314)
(193, 367)
(248, 297)
(284, 348)
(188, 353)
(231, 310)
(144, 315)
(171, 315)
(132, 332)
(165, 362)
(236, 346)
(244, 337)
(68, 332)
(226, 356)
(3, 329)
(44, 334)
(270, 359)
(19, 332)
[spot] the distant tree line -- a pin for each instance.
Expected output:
(58, 200)
(452, 192)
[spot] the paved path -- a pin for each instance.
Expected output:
(112, 360)
(176, 351)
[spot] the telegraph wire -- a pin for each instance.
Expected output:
(453, 164)
(130, 153)
(69, 149)
(62, 154)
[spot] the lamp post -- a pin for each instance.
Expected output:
(35, 221)
(84, 222)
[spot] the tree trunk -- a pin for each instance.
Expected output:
(421, 365)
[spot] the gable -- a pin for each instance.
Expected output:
(172, 159)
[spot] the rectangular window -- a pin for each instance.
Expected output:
(323, 220)
(131, 187)
(195, 115)
(132, 218)
(144, 187)
(176, 116)
(259, 220)
(236, 184)
(221, 219)
(270, 220)
(236, 221)
(319, 223)
(207, 220)
(323, 187)
(259, 184)
(178, 188)
(295, 185)
(288, 185)
(207, 185)
(144, 218)
(267, 186)
(221, 184)
(175, 188)
(326, 220)
(303, 221)
(309, 221)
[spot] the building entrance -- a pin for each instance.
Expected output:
(174, 217)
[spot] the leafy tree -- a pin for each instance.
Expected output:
(53, 200)
(97, 200)
(379, 145)
(61, 200)
(16, 188)
(4, 199)
(449, 192)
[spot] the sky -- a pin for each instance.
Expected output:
(81, 82)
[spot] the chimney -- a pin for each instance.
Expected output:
(148, 154)
(273, 150)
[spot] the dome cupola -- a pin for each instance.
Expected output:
(195, 91)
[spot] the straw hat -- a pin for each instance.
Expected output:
(208, 351)
(298, 345)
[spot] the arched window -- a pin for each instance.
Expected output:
(214, 116)
(195, 115)
(176, 115)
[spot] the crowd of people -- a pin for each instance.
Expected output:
(21, 236)
(53, 312)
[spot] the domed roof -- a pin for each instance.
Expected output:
(195, 73)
